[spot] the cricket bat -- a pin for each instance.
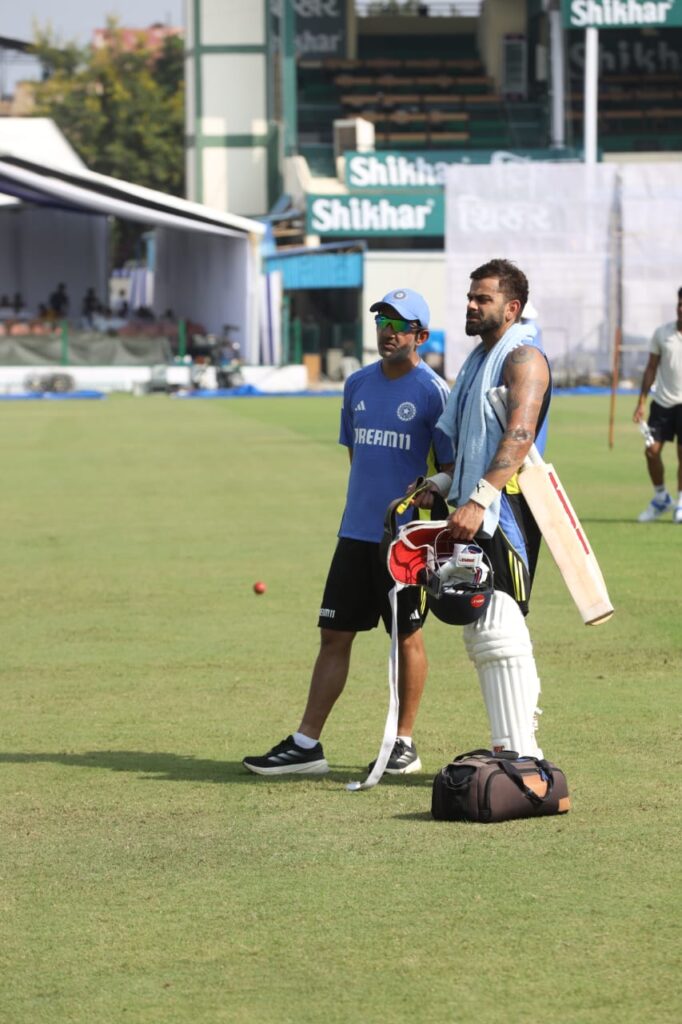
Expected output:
(561, 529)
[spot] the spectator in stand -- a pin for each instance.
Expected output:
(59, 302)
(121, 306)
(89, 307)
(18, 303)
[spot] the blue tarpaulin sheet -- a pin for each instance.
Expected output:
(51, 396)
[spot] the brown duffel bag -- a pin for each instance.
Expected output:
(487, 787)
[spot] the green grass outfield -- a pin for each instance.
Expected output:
(146, 878)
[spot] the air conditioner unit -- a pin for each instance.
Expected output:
(353, 134)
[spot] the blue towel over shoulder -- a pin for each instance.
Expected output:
(470, 422)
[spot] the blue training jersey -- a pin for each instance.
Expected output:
(390, 426)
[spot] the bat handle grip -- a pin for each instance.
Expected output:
(420, 484)
(533, 458)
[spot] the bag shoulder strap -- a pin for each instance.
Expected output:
(479, 752)
(515, 775)
(500, 755)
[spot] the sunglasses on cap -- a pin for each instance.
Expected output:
(399, 326)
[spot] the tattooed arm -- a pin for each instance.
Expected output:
(526, 377)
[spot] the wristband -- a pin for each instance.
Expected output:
(443, 481)
(484, 493)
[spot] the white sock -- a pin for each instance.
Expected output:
(301, 740)
(679, 498)
(659, 490)
(406, 739)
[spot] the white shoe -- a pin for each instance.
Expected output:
(677, 515)
(656, 508)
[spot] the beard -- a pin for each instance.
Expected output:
(481, 325)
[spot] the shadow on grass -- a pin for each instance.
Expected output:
(160, 766)
(165, 767)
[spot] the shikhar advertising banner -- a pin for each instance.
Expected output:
(320, 28)
(390, 215)
(621, 13)
(392, 169)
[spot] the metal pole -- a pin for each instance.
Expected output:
(617, 302)
(615, 376)
(298, 341)
(286, 330)
(65, 343)
(590, 97)
(196, 123)
(557, 72)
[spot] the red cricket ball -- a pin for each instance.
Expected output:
(259, 588)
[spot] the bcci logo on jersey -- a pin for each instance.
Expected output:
(406, 411)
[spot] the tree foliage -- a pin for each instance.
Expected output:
(122, 110)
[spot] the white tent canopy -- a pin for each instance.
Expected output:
(207, 260)
(35, 138)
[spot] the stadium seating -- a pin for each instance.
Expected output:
(635, 112)
(431, 91)
(430, 101)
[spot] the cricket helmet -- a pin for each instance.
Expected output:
(457, 578)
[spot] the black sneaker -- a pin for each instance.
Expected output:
(287, 758)
(404, 759)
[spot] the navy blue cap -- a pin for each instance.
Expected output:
(410, 305)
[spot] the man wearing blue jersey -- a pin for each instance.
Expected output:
(388, 424)
(485, 493)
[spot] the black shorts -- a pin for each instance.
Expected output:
(666, 424)
(356, 592)
(511, 574)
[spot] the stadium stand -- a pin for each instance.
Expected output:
(420, 102)
(636, 112)
(432, 92)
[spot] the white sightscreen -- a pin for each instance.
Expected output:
(557, 222)
(652, 255)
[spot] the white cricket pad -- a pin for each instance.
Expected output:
(500, 648)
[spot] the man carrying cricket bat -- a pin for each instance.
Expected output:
(486, 497)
